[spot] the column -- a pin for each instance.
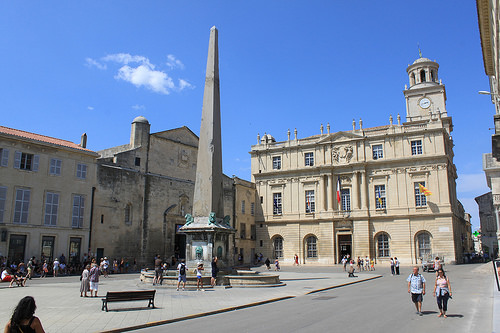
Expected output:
(364, 189)
(330, 192)
(321, 197)
(355, 191)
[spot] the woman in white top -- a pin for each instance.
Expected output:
(199, 282)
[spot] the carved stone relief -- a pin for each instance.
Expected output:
(342, 154)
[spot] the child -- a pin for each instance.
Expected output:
(277, 265)
(372, 262)
(199, 282)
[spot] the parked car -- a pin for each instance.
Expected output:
(428, 263)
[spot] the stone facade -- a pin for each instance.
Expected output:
(46, 187)
(246, 233)
(488, 235)
(145, 189)
(381, 212)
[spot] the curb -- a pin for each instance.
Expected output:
(197, 315)
(343, 285)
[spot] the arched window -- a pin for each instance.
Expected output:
(412, 79)
(422, 76)
(433, 76)
(383, 245)
(278, 247)
(128, 214)
(424, 245)
(311, 246)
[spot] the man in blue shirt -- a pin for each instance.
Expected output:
(416, 286)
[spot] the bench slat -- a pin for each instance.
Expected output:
(124, 296)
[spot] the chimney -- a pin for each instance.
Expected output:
(83, 140)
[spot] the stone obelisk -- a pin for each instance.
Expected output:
(207, 229)
(208, 190)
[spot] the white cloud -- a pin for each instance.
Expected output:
(89, 62)
(139, 71)
(183, 84)
(138, 107)
(173, 62)
(144, 75)
(473, 182)
(91, 108)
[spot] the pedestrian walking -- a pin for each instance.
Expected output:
(56, 267)
(276, 265)
(181, 269)
(268, 264)
(372, 264)
(94, 279)
(442, 291)
(158, 272)
(215, 270)
(23, 319)
(295, 260)
(45, 269)
(396, 265)
(30, 268)
(199, 277)
(359, 265)
(392, 266)
(85, 282)
(367, 263)
(344, 262)
(416, 287)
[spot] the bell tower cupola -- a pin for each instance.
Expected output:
(426, 95)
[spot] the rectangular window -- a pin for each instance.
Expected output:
(346, 199)
(277, 162)
(55, 166)
(81, 171)
(78, 207)
(416, 147)
(252, 208)
(243, 231)
(22, 206)
(309, 159)
(277, 204)
(3, 198)
(4, 157)
(380, 202)
(137, 161)
(25, 161)
(51, 208)
(243, 207)
(310, 204)
(378, 152)
(420, 199)
(253, 232)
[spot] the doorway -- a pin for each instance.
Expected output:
(179, 243)
(345, 246)
(17, 246)
(48, 248)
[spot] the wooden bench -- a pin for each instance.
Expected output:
(125, 296)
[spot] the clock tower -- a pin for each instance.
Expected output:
(426, 96)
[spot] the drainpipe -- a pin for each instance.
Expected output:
(91, 217)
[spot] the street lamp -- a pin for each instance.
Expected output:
(484, 92)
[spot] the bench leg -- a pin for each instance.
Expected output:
(151, 302)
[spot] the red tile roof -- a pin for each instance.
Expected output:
(42, 138)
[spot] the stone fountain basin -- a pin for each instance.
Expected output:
(170, 278)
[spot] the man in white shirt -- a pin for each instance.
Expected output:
(182, 270)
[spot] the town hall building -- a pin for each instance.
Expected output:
(377, 174)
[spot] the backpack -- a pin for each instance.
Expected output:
(182, 270)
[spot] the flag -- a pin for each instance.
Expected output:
(423, 190)
(308, 208)
(338, 190)
(379, 197)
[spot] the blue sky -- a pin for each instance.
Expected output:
(93, 66)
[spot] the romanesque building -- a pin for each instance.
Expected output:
(144, 190)
(46, 192)
(358, 192)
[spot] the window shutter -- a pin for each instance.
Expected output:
(17, 160)
(36, 160)
(5, 157)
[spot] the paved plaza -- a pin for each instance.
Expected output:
(305, 305)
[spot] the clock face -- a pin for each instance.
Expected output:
(424, 103)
